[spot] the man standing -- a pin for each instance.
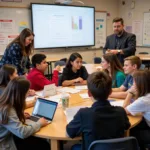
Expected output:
(121, 43)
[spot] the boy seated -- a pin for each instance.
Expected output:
(36, 75)
(101, 120)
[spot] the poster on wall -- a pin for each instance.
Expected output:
(137, 29)
(146, 29)
(12, 22)
(11, 0)
(100, 29)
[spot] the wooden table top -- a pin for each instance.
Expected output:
(145, 57)
(57, 129)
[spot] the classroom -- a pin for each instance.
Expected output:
(70, 105)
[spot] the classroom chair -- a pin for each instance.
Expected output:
(83, 62)
(63, 59)
(97, 60)
(126, 143)
(60, 63)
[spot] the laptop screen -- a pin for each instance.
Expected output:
(45, 108)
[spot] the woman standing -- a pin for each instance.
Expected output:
(18, 51)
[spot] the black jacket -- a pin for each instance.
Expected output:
(127, 44)
(101, 121)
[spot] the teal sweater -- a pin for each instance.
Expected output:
(118, 79)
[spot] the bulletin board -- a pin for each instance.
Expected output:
(12, 22)
(100, 28)
(146, 29)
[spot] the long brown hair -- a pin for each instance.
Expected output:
(142, 81)
(14, 97)
(115, 64)
(5, 72)
(26, 50)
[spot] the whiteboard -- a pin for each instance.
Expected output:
(12, 22)
(100, 29)
(146, 29)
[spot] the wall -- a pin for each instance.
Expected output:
(111, 6)
(141, 6)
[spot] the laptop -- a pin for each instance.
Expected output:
(44, 108)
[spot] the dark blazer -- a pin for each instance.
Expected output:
(127, 44)
(101, 121)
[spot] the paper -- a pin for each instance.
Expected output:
(146, 29)
(83, 87)
(39, 93)
(117, 103)
(55, 98)
(49, 90)
(68, 90)
(84, 95)
(70, 112)
(137, 27)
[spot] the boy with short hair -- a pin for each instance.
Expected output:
(101, 120)
(36, 75)
(131, 64)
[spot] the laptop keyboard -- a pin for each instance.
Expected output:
(33, 118)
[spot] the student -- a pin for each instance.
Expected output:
(131, 64)
(74, 72)
(113, 67)
(12, 119)
(18, 51)
(101, 120)
(36, 75)
(7, 73)
(140, 90)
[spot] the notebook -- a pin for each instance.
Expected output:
(44, 108)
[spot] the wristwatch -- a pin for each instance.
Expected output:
(119, 51)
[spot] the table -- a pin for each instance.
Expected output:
(145, 58)
(56, 131)
(49, 62)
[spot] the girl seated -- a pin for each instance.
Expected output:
(113, 67)
(13, 120)
(74, 72)
(9, 72)
(140, 92)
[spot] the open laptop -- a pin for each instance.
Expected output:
(44, 108)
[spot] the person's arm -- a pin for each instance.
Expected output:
(120, 89)
(131, 46)
(55, 77)
(137, 107)
(119, 92)
(127, 101)
(65, 77)
(106, 47)
(19, 129)
(73, 129)
(119, 95)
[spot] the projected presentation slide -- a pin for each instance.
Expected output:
(62, 26)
